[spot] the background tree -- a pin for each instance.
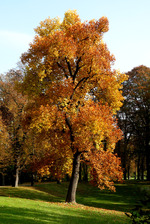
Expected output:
(46, 161)
(76, 95)
(12, 106)
(5, 159)
(134, 119)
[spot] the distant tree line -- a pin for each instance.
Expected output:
(134, 121)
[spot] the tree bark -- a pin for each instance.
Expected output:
(3, 179)
(142, 168)
(125, 173)
(125, 159)
(128, 172)
(17, 177)
(71, 195)
(147, 150)
(138, 167)
(80, 173)
(32, 179)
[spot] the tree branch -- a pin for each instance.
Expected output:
(60, 66)
(69, 67)
(77, 69)
(67, 119)
(84, 79)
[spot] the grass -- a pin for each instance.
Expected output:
(16, 211)
(44, 203)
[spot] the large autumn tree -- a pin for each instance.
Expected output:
(75, 96)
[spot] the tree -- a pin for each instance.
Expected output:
(75, 95)
(12, 106)
(134, 117)
(5, 150)
(123, 149)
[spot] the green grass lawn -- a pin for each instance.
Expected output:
(44, 203)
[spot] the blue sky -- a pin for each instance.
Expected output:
(128, 37)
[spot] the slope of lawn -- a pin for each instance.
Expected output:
(25, 211)
(44, 203)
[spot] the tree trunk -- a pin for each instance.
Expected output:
(135, 175)
(124, 162)
(58, 181)
(148, 166)
(32, 179)
(125, 173)
(138, 167)
(128, 172)
(148, 151)
(3, 179)
(80, 173)
(71, 195)
(142, 169)
(17, 177)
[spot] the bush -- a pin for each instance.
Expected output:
(141, 213)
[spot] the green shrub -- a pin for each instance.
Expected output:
(141, 213)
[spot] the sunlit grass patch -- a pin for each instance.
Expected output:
(16, 211)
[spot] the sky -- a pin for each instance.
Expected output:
(128, 37)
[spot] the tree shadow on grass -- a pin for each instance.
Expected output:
(124, 199)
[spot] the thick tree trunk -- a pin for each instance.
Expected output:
(17, 177)
(71, 195)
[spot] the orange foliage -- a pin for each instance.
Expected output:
(105, 168)
(75, 93)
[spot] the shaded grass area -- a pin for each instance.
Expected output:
(124, 199)
(44, 203)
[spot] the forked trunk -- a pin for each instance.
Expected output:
(71, 195)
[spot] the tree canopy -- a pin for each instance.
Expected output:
(75, 95)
